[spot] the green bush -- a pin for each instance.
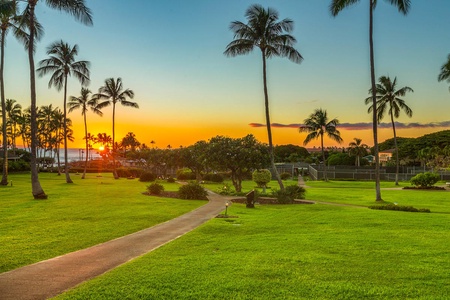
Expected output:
(399, 208)
(424, 180)
(123, 172)
(226, 190)
(185, 174)
(155, 188)
(171, 180)
(147, 177)
(285, 176)
(262, 177)
(192, 191)
(290, 193)
(213, 177)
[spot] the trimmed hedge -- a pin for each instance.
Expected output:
(399, 208)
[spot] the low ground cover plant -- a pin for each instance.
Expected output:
(399, 208)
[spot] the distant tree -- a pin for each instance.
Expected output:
(194, 158)
(61, 65)
(84, 103)
(238, 156)
(339, 159)
(445, 71)
(112, 93)
(388, 99)
(130, 141)
(317, 125)
(264, 31)
(336, 7)
(358, 149)
(289, 153)
(13, 113)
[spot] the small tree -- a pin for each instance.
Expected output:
(425, 180)
(262, 178)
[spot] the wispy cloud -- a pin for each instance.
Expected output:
(364, 126)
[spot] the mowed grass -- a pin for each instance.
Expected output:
(75, 216)
(292, 252)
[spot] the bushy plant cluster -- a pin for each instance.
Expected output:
(147, 177)
(424, 180)
(285, 176)
(262, 177)
(226, 190)
(17, 166)
(290, 193)
(192, 191)
(129, 172)
(170, 180)
(185, 174)
(399, 208)
(155, 189)
(213, 177)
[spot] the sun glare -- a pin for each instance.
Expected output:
(101, 148)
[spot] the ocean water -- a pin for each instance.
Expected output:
(75, 154)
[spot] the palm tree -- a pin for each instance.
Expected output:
(61, 65)
(445, 71)
(84, 103)
(358, 149)
(264, 31)
(13, 113)
(112, 92)
(388, 100)
(403, 6)
(76, 8)
(317, 125)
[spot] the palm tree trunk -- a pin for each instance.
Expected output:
(5, 138)
(269, 130)
(374, 106)
(38, 192)
(113, 143)
(396, 150)
(87, 147)
(66, 164)
(325, 177)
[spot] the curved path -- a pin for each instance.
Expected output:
(51, 277)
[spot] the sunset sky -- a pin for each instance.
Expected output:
(170, 53)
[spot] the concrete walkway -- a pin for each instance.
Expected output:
(51, 277)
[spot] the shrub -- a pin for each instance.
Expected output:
(171, 180)
(213, 177)
(262, 177)
(285, 176)
(185, 174)
(155, 189)
(147, 177)
(226, 190)
(290, 193)
(123, 172)
(399, 208)
(192, 191)
(424, 180)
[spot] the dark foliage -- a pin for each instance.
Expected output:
(155, 189)
(147, 177)
(399, 208)
(192, 191)
(213, 177)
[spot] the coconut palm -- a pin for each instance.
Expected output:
(403, 6)
(388, 100)
(317, 125)
(13, 113)
(61, 65)
(445, 71)
(358, 149)
(112, 93)
(84, 103)
(76, 8)
(264, 31)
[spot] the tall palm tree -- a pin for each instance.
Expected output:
(403, 6)
(61, 65)
(13, 113)
(76, 8)
(388, 100)
(358, 149)
(84, 103)
(317, 125)
(264, 31)
(445, 71)
(112, 93)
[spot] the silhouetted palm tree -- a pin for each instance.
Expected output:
(445, 71)
(13, 113)
(358, 149)
(61, 65)
(76, 8)
(388, 100)
(317, 125)
(112, 92)
(84, 103)
(264, 31)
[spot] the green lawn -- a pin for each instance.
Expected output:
(292, 252)
(75, 216)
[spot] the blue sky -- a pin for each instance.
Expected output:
(171, 54)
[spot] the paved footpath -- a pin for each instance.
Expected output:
(51, 277)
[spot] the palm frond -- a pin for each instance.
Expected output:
(337, 6)
(77, 8)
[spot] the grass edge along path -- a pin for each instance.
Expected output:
(51, 277)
